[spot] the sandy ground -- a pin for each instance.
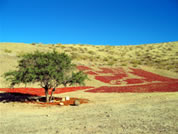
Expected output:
(106, 113)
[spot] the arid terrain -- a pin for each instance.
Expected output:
(132, 90)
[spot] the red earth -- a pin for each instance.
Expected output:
(40, 91)
(58, 100)
(154, 87)
(144, 81)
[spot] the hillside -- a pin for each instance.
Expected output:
(160, 57)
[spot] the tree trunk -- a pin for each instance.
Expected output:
(51, 97)
(47, 96)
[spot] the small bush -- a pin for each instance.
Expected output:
(135, 62)
(84, 57)
(105, 59)
(111, 63)
(92, 58)
(7, 51)
(67, 50)
(75, 56)
(74, 49)
(134, 65)
(91, 52)
(123, 64)
(101, 50)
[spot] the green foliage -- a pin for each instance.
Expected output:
(7, 51)
(136, 62)
(75, 55)
(124, 64)
(74, 49)
(111, 63)
(105, 59)
(49, 69)
(91, 52)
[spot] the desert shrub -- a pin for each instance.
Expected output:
(98, 57)
(63, 47)
(134, 65)
(111, 52)
(7, 51)
(92, 58)
(169, 49)
(169, 67)
(138, 54)
(50, 47)
(84, 57)
(33, 43)
(82, 50)
(135, 62)
(67, 50)
(101, 50)
(74, 49)
(85, 49)
(91, 52)
(75, 56)
(105, 59)
(115, 59)
(123, 64)
(111, 62)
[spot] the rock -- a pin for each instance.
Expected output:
(67, 98)
(77, 102)
(55, 101)
(61, 103)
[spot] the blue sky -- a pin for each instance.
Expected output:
(97, 22)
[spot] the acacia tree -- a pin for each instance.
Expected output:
(49, 69)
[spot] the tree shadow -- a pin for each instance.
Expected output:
(17, 97)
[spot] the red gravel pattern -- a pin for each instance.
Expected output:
(82, 68)
(91, 73)
(148, 76)
(134, 81)
(116, 74)
(40, 91)
(108, 79)
(154, 87)
(147, 82)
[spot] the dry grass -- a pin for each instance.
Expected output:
(161, 56)
(106, 113)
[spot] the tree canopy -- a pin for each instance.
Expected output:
(49, 69)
